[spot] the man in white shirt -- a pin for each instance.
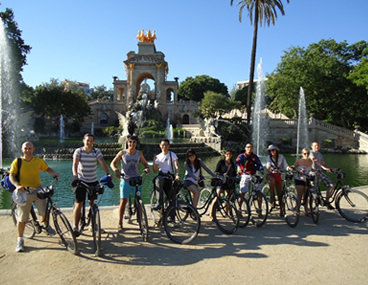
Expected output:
(167, 163)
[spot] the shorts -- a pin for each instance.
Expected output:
(81, 191)
(126, 189)
(188, 183)
(244, 183)
(24, 211)
(326, 180)
(276, 176)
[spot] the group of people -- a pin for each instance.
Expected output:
(167, 165)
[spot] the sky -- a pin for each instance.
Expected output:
(87, 41)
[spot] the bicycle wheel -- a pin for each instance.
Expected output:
(128, 215)
(96, 231)
(352, 204)
(203, 198)
(225, 216)
(155, 207)
(242, 205)
(65, 231)
(182, 222)
(291, 209)
(266, 192)
(258, 208)
(30, 229)
(313, 207)
(142, 220)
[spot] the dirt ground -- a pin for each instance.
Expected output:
(332, 252)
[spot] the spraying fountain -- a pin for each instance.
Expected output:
(302, 133)
(8, 99)
(169, 130)
(62, 129)
(260, 121)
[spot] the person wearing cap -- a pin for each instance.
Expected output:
(247, 164)
(130, 158)
(29, 177)
(84, 168)
(167, 164)
(275, 163)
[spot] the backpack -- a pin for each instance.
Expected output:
(5, 182)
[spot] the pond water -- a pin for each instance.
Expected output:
(355, 166)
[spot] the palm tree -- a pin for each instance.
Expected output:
(264, 11)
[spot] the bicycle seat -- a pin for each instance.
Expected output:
(256, 178)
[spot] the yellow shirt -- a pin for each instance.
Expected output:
(29, 171)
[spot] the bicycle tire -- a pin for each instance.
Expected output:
(291, 209)
(156, 213)
(204, 195)
(142, 220)
(242, 205)
(65, 232)
(128, 215)
(266, 192)
(181, 222)
(29, 229)
(313, 207)
(225, 216)
(352, 205)
(96, 232)
(258, 208)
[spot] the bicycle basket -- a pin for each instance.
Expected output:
(134, 181)
(341, 175)
(45, 192)
(256, 179)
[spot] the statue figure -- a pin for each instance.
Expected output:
(149, 37)
(208, 126)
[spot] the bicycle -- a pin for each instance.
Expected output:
(224, 212)
(32, 226)
(94, 218)
(289, 200)
(138, 207)
(240, 202)
(180, 219)
(62, 225)
(351, 204)
(257, 201)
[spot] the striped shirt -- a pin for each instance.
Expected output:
(87, 167)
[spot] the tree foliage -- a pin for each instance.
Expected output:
(101, 93)
(51, 100)
(216, 103)
(194, 88)
(323, 71)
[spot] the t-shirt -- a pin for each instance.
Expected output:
(165, 163)
(29, 174)
(87, 167)
(319, 158)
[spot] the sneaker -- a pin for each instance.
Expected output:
(20, 246)
(76, 232)
(49, 231)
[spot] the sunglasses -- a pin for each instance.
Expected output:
(306, 153)
(132, 142)
(248, 147)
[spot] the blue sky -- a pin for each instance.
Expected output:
(88, 41)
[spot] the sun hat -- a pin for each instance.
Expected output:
(106, 180)
(271, 147)
(19, 197)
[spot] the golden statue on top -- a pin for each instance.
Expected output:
(149, 37)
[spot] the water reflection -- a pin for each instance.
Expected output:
(355, 166)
